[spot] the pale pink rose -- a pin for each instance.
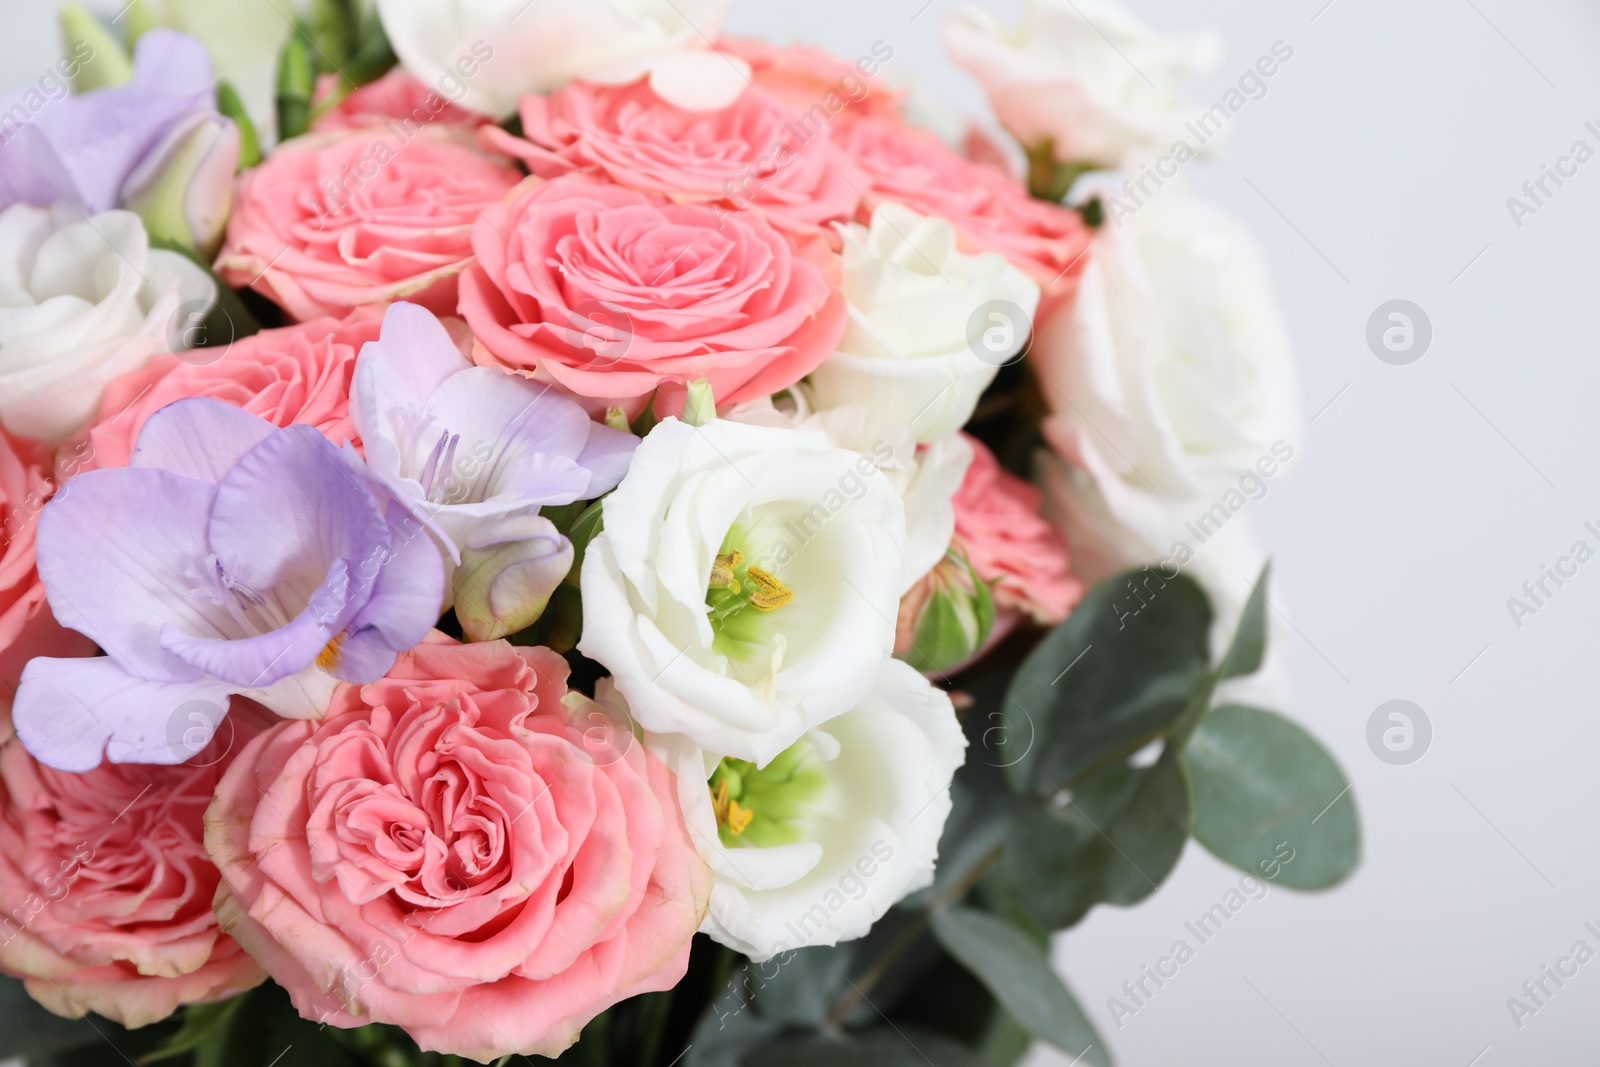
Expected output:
(811, 79)
(27, 628)
(758, 153)
(999, 528)
(612, 293)
(396, 100)
(295, 374)
(105, 888)
(990, 210)
(452, 852)
(335, 221)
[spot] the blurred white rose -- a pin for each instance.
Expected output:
(1083, 74)
(1172, 387)
(82, 301)
(486, 54)
(929, 326)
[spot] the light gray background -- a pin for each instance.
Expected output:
(1376, 168)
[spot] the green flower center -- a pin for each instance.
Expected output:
(739, 595)
(765, 806)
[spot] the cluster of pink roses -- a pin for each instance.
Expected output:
(444, 849)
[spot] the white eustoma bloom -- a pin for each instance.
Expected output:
(745, 585)
(82, 301)
(927, 477)
(1084, 74)
(486, 54)
(1183, 404)
(815, 847)
(929, 326)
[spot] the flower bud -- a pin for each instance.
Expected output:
(699, 406)
(509, 569)
(946, 618)
(107, 62)
(184, 189)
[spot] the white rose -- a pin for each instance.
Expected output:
(1084, 74)
(744, 588)
(927, 477)
(82, 301)
(1174, 402)
(832, 833)
(929, 326)
(486, 54)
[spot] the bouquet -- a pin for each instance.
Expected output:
(550, 531)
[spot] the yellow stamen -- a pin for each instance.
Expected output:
(772, 594)
(728, 811)
(328, 658)
(722, 570)
(738, 818)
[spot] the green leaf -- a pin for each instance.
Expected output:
(203, 1025)
(1115, 841)
(1111, 677)
(1016, 970)
(1270, 800)
(800, 987)
(729, 1028)
(1249, 645)
(905, 1047)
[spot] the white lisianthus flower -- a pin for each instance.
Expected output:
(815, 846)
(1085, 75)
(927, 477)
(745, 585)
(82, 301)
(1183, 405)
(484, 55)
(929, 326)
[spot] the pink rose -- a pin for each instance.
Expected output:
(806, 77)
(991, 211)
(450, 852)
(757, 153)
(335, 221)
(27, 628)
(1010, 546)
(294, 374)
(396, 100)
(105, 888)
(612, 293)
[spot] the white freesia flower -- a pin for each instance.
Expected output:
(1183, 404)
(744, 588)
(1084, 74)
(927, 477)
(816, 846)
(83, 300)
(487, 54)
(929, 326)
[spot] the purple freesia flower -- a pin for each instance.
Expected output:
(479, 451)
(83, 148)
(230, 557)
